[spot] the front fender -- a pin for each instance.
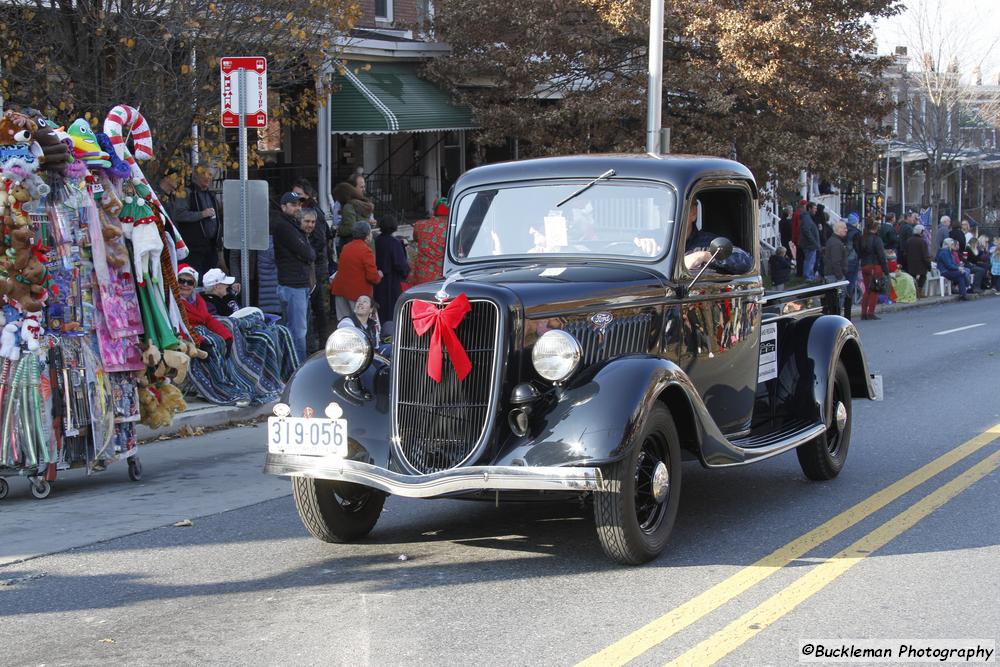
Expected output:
(597, 419)
(365, 402)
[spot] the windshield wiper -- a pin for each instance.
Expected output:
(608, 174)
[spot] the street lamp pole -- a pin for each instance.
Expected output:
(655, 77)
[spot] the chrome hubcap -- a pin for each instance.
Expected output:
(661, 482)
(840, 415)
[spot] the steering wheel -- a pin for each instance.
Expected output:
(633, 249)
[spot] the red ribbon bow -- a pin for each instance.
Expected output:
(444, 320)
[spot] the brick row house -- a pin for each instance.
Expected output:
(961, 132)
(407, 135)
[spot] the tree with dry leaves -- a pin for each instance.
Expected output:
(78, 58)
(779, 84)
(939, 97)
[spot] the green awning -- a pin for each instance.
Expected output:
(389, 97)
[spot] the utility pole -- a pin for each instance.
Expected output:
(655, 77)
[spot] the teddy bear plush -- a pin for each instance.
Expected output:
(114, 247)
(21, 240)
(17, 140)
(192, 350)
(25, 289)
(9, 348)
(18, 195)
(55, 152)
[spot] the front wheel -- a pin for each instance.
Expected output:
(823, 458)
(336, 511)
(636, 511)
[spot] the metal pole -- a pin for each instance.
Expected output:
(655, 76)
(195, 155)
(885, 201)
(244, 259)
(959, 190)
(902, 185)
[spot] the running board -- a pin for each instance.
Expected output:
(760, 447)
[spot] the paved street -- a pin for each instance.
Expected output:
(98, 574)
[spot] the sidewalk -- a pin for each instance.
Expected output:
(202, 415)
(926, 301)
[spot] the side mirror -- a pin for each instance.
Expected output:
(721, 248)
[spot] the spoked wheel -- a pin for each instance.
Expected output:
(336, 511)
(4, 488)
(134, 469)
(823, 458)
(636, 511)
(40, 488)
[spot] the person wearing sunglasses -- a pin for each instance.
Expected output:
(195, 306)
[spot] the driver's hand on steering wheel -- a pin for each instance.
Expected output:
(697, 259)
(647, 246)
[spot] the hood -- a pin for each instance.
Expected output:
(550, 288)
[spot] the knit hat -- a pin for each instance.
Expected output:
(441, 207)
(361, 229)
(187, 269)
(853, 219)
(918, 229)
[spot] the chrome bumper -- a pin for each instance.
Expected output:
(476, 478)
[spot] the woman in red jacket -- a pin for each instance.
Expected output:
(356, 271)
(195, 305)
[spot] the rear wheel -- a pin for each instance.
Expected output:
(823, 458)
(336, 511)
(636, 512)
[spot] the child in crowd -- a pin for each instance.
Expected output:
(781, 268)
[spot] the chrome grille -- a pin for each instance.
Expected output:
(625, 335)
(438, 426)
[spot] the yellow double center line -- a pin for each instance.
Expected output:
(664, 627)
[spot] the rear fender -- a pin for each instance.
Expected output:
(365, 402)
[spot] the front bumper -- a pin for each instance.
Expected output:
(446, 482)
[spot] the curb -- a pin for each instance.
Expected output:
(202, 415)
(928, 301)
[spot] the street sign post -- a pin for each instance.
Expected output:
(244, 104)
(254, 107)
(257, 231)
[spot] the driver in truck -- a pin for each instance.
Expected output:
(697, 253)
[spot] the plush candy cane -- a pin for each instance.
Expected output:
(118, 119)
(142, 139)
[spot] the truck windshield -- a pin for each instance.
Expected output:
(610, 218)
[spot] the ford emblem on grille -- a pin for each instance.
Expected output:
(601, 321)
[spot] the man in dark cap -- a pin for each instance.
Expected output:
(294, 257)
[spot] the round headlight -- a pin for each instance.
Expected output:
(556, 355)
(348, 351)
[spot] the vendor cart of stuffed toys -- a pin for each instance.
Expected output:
(92, 338)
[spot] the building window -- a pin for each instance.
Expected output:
(383, 10)
(425, 14)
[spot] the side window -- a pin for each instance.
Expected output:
(720, 212)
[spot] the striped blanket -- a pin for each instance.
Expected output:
(255, 370)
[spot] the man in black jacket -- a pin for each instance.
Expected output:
(198, 220)
(294, 257)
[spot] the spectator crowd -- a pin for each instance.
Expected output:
(316, 275)
(884, 259)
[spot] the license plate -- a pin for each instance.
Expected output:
(307, 436)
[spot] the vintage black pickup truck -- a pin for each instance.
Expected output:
(601, 319)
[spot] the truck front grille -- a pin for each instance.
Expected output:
(438, 426)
